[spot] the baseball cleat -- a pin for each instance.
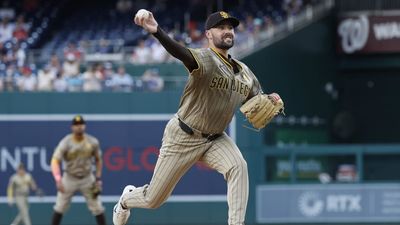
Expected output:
(121, 215)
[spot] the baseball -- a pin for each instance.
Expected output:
(142, 13)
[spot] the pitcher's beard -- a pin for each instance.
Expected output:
(224, 45)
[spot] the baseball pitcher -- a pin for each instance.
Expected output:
(218, 84)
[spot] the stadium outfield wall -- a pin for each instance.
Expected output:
(130, 140)
(130, 134)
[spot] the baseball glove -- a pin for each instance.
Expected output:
(95, 191)
(262, 108)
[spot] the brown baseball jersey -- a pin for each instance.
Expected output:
(77, 155)
(214, 91)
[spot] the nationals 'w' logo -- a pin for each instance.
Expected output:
(354, 33)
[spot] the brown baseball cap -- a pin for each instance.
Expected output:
(217, 17)
(78, 119)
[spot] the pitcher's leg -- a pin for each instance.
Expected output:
(168, 171)
(225, 157)
(178, 153)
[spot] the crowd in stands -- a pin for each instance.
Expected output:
(67, 77)
(67, 70)
(256, 25)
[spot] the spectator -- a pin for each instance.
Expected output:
(71, 49)
(74, 83)
(292, 7)
(6, 30)
(92, 79)
(19, 55)
(108, 71)
(55, 65)
(46, 78)
(122, 81)
(103, 46)
(152, 80)
(71, 66)
(27, 82)
(108, 74)
(159, 54)
(100, 71)
(268, 27)
(194, 33)
(141, 54)
(60, 83)
(9, 79)
(20, 31)
(249, 23)
(10, 56)
(85, 46)
(257, 22)
(241, 39)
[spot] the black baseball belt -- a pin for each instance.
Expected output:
(189, 130)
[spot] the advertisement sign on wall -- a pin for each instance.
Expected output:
(130, 146)
(359, 32)
(328, 203)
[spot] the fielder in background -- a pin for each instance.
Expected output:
(18, 191)
(218, 84)
(77, 150)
